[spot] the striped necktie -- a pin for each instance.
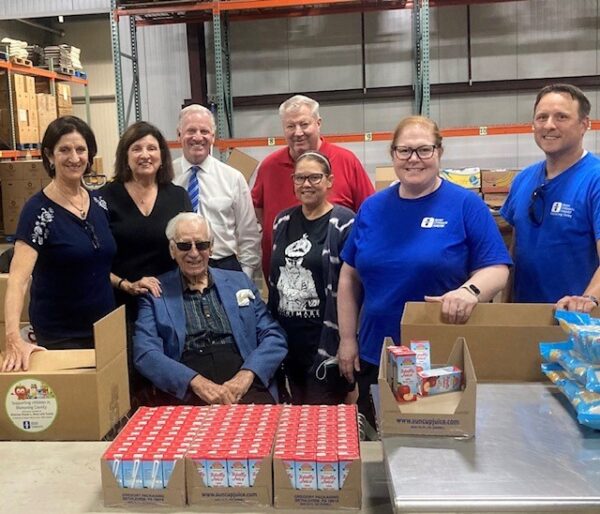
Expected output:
(194, 188)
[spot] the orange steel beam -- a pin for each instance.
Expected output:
(40, 72)
(361, 137)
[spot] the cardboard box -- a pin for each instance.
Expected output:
(503, 337)
(242, 162)
(497, 181)
(65, 111)
(286, 497)
(495, 201)
(63, 95)
(469, 178)
(46, 105)
(116, 496)
(385, 176)
(69, 395)
(449, 414)
(261, 493)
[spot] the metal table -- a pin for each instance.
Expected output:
(529, 455)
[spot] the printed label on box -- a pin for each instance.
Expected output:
(31, 405)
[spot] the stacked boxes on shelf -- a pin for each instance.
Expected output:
(495, 185)
(469, 178)
(20, 181)
(64, 102)
(46, 106)
(24, 104)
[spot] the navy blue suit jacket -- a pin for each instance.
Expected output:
(159, 337)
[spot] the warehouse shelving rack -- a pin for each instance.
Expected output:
(33, 71)
(220, 12)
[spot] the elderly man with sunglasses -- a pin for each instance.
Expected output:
(208, 338)
(554, 208)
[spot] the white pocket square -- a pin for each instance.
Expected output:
(243, 297)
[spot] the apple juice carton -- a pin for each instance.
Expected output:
(216, 468)
(152, 472)
(440, 380)
(422, 351)
(328, 470)
(237, 469)
(404, 372)
(306, 470)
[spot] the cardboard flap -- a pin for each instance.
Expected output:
(109, 337)
(61, 360)
(484, 314)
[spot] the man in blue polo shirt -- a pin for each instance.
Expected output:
(554, 208)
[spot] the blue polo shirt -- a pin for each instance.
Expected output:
(559, 256)
(405, 249)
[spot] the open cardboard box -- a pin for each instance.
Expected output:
(286, 497)
(260, 494)
(503, 337)
(448, 414)
(69, 395)
(242, 162)
(116, 496)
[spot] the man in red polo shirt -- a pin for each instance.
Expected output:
(273, 190)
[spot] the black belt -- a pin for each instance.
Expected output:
(230, 262)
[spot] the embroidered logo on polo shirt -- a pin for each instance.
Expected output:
(562, 210)
(430, 222)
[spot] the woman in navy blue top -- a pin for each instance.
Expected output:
(64, 242)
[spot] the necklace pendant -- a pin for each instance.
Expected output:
(82, 214)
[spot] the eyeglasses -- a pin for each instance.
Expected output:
(186, 246)
(314, 178)
(537, 206)
(405, 152)
(89, 228)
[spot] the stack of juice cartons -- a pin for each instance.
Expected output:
(232, 442)
(317, 445)
(146, 451)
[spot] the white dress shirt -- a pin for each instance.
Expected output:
(226, 202)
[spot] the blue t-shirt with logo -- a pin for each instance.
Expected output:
(404, 249)
(555, 253)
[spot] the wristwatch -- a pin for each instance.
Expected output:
(473, 289)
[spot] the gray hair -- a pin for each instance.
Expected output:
(171, 230)
(296, 102)
(196, 108)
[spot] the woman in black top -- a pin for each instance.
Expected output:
(305, 265)
(141, 200)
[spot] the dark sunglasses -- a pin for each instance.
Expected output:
(186, 246)
(89, 228)
(537, 206)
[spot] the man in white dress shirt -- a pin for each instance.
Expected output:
(221, 193)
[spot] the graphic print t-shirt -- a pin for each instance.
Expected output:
(298, 276)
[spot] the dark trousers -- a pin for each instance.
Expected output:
(366, 377)
(230, 263)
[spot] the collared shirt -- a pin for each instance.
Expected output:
(226, 202)
(206, 322)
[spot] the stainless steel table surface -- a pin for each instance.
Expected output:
(64, 478)
(529, 455)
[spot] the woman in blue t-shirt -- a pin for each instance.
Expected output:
(421, 239)
(64, 242)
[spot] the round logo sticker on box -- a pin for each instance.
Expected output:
(31, 405)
